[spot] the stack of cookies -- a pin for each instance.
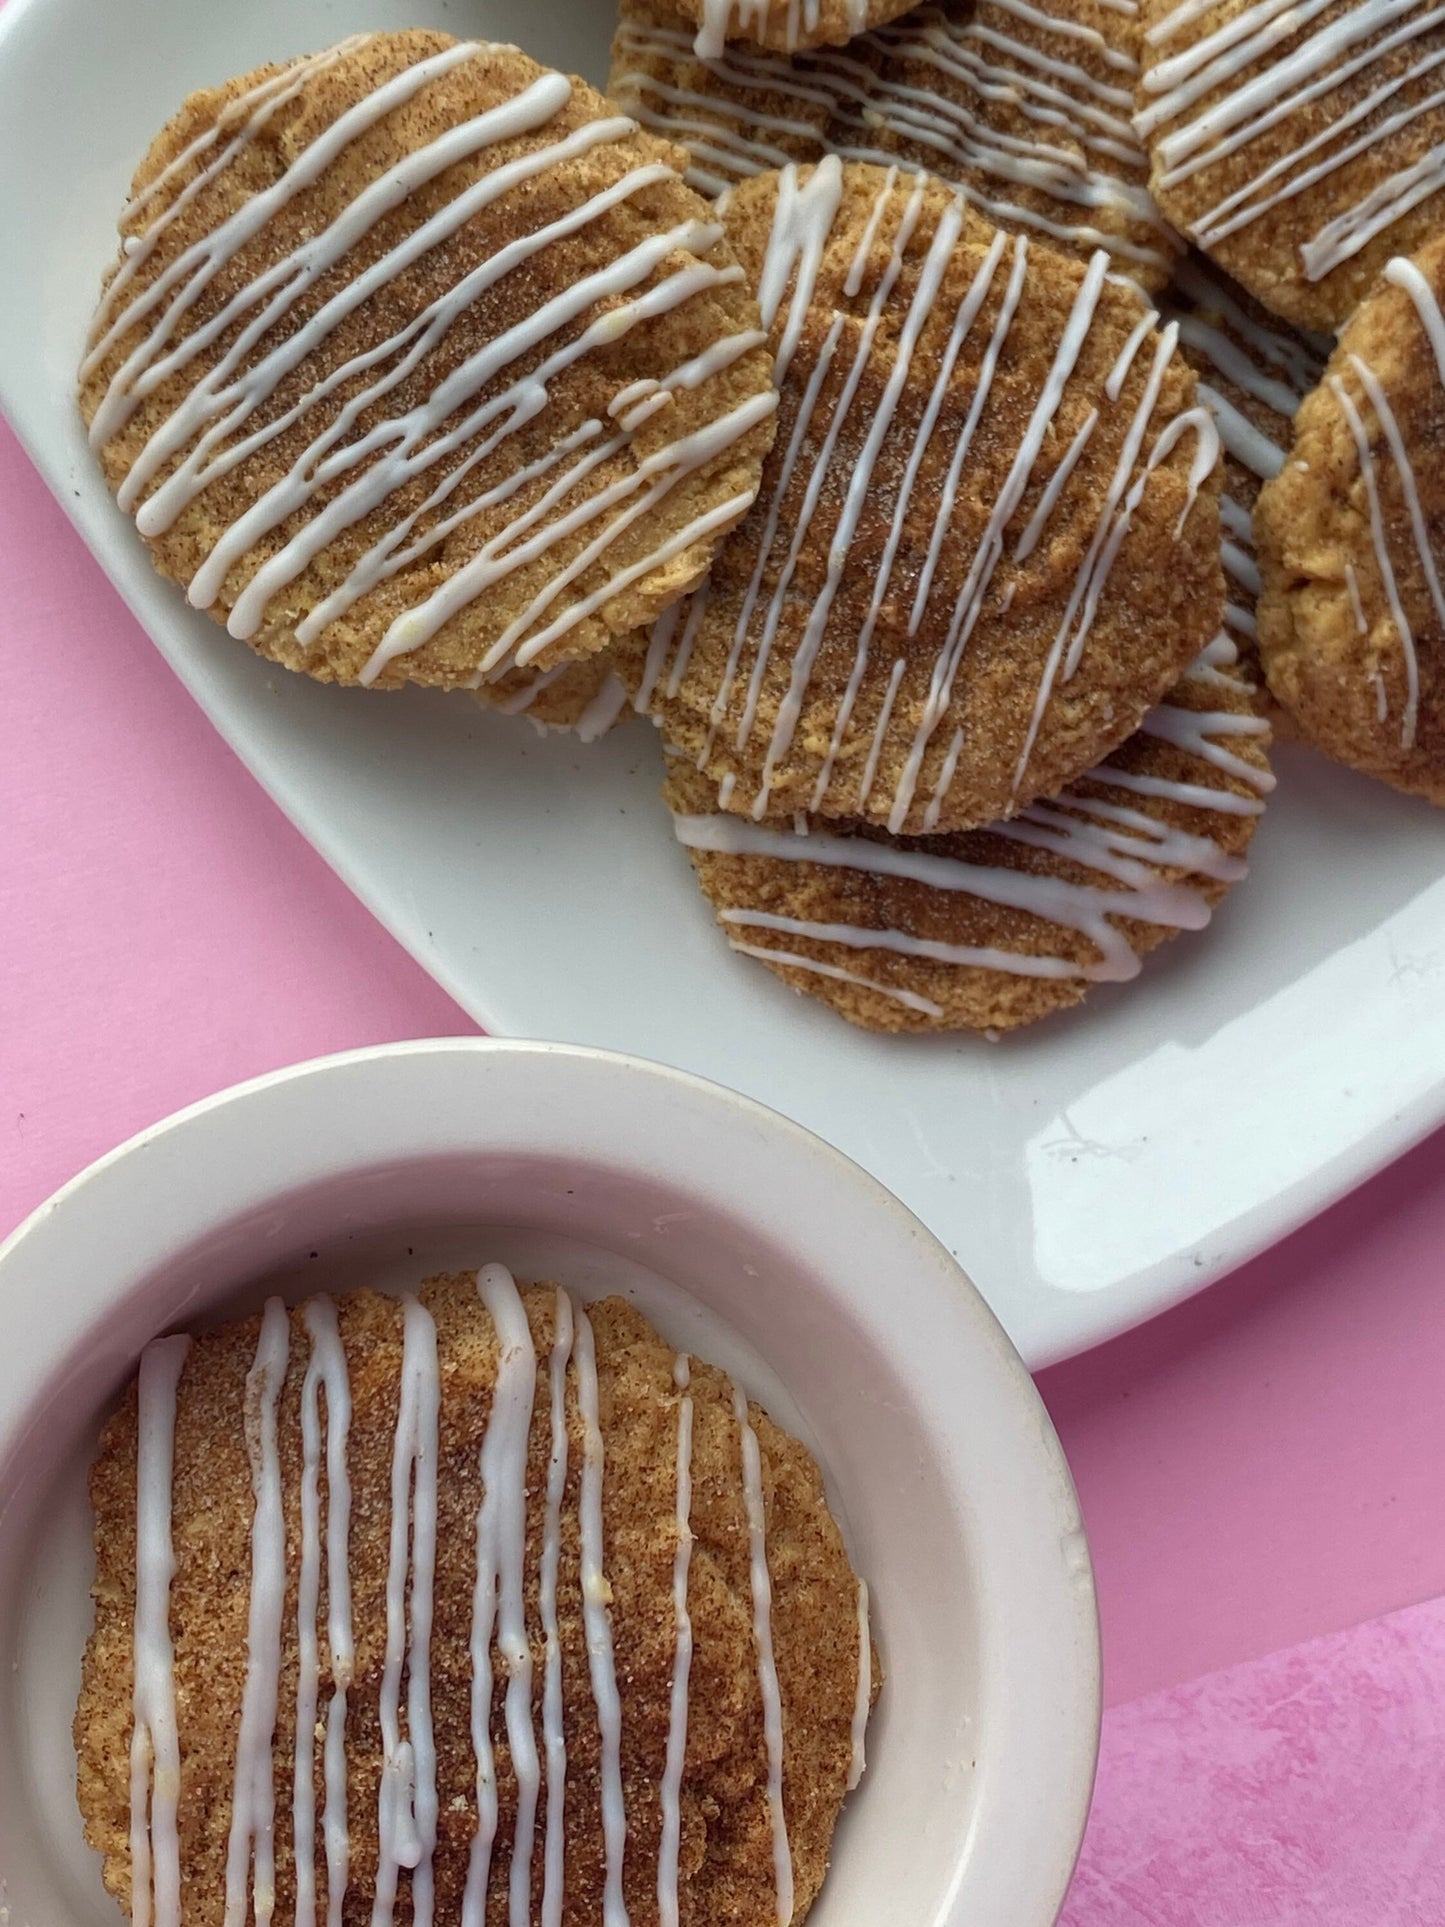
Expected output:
(847, 397)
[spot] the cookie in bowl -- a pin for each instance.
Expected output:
(420, 363)
(473, 1604)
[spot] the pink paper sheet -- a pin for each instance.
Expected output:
(1306, 1789)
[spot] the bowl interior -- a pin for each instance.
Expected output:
(740, 1249)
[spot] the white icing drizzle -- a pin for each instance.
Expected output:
(805, 212)
(410, 453)
(1247, 444)
(1386, 567)
(863, 1699)
(1276, 392)
(1119, 373)
(1404, 274)
(860, 476)
(971, 596)
(795, 960)
(1084, 908)
(254, 109)
(762, 1589)
(155, 1759)
(1235, 518)
(521, 700)
(598, 716)
(326, 1370)
(743, 19)
(1357, 608)
(596, 1598)
(1276, 81)
(407, 1806)
(407, 1814)
(1404, 468)
(233, 396)
(1199, 732)
(671, 1790)
(1390, 201)
(603, 710)
(198, 266)
(1127, 847)
(1240, 566)
(1240, 621)
(499, 1604)
(1271, 365)
(554, 1741)
(392, 453)
(973, 60)
(251, 1849)
(803, 221)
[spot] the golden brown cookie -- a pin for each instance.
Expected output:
(584, 699)
(991, 929)
(418, 363)
(1351, 538)
(1254, 371)
(452, 1541)
(987, 540)
(783, 25)
(1027, 110)
(1299, 146)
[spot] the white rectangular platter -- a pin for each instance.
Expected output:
(1087, 1173)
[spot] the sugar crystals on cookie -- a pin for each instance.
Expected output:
(987, 539)
(1352, 615)
(418, 362)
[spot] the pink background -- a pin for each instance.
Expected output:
(1259, 1466)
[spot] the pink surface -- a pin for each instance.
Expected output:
(1308, 1787)
(1257, 1467)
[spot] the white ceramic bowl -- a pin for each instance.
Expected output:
(747, 1240)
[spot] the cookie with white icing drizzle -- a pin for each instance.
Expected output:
(995, 928)
(1025, 107)
(420, 363)
(987, 540)
(1254, 371)
(783, 25)
(474, 1606)
(1351, 536)
(1300, 143)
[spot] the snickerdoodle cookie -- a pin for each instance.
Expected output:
(1351, 538)
(1299, 145)
(419, 363)
(995, 928)
(473, 1604)
(987, 540)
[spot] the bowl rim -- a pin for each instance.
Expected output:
(1048, 1691)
